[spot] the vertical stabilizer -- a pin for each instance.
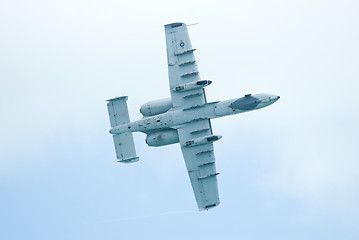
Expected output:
(124, 144)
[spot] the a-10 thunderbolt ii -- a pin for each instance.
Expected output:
(184, 118)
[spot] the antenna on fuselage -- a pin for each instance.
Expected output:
(192, 24)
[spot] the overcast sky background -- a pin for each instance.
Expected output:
(289, 171)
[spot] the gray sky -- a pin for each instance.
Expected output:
(289, 171)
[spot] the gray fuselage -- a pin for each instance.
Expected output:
(174, 118)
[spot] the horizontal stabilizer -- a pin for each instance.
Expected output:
(125, 148)
(124, 144)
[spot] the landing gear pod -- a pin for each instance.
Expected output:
(192, 85)
(202, 140)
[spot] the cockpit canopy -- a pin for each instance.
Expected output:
(248, 102)
(251, 102)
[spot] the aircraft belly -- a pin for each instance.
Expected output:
(161, 121)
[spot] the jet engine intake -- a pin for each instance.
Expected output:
(156, 107)
(162, 138)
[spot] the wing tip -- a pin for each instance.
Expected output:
(115, 98)
(129, 160)
(174, 25)
(207, 207)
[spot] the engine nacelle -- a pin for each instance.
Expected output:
(156, 107)
(162, 138)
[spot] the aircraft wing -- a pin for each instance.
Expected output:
(199, 159)
(200, 163)
(182, 66)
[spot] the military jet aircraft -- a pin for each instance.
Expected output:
(185, 118)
